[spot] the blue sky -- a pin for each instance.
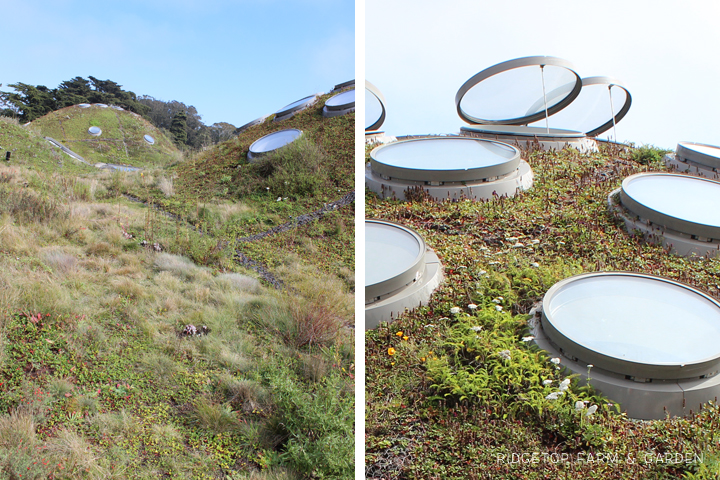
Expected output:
(419, 54)
(234, 60)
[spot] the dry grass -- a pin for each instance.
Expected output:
(166, 186)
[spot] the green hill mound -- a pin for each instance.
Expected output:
(121, 141)
(29, 149)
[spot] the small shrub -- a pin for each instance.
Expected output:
(649, 155)
(294, 170)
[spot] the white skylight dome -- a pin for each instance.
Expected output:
(695, 159)
(401, 272)
(447, 168)
(678, 211)
(273, 141)
(626, 326)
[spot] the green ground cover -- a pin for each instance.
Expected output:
(121, 140)
(453, 391)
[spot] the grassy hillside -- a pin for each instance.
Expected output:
(432, 413)
(29, 149)
(137, 342)
(121, 140)
(285, 185)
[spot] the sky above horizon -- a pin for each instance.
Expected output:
(233, 60)
(665, 53)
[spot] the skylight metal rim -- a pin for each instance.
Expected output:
(611, 82)
(453, 176)
(659, 371)
(255, 154)
(376, 92)
(511, 65)
(398, 282)
(284, 111)
(659, 218)
(554, 132)
(340, 107)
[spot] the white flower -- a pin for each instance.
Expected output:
(553, 396)
(455, 310)
(476, 328)
(535, 264)
(564, 384)
(591, 410)
(590, 366)
(267, 188)
(279, 199)
(529, 338)
(579, 405)
(472, 306)
(498, 308)
(505, 354)
(497, 300)
(555, 360)
(482, 272)
(547, 382)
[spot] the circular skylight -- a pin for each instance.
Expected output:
(342, 100)
(374, 107)
(340, 104)
(508, 93)
(400, 271)
(95, 131)
(257, 121)
(522, 131)
(679, 202)
(295, 107)
(635, 325)
(394, 257)
(273, 141)
(592, 112)
(707, 155)
(444, 159)
(340, 86)
(149, 139)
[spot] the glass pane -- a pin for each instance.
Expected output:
(637, 319)
(389, 252)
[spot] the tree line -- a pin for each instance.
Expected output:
(183, 123)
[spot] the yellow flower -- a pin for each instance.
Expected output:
(399, 334)
(405, 337)
(391, 351)
(392, 363)
(422, 359)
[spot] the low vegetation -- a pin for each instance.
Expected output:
(135, 345)
(435, 411)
